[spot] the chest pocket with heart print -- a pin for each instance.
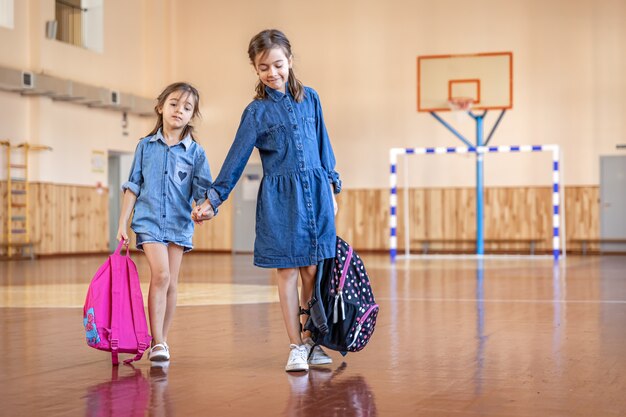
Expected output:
(182, 174)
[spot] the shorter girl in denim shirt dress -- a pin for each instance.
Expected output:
(295, 224)
(169, 170)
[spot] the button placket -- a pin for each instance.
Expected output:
(310, 215)
(164, 187)
(297, 135)
(306, 182)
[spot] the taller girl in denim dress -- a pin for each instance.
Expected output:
(169, 170)
(295, 224)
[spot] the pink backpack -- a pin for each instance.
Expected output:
(113, 315)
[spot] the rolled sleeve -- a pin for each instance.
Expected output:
(135, 178)
(214, 199)
(134, 188)
(333, 176)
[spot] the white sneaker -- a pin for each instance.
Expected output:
(297, 359)
(317, 356)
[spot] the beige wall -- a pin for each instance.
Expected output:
(136, 60)
(569, 57)
(569, 61)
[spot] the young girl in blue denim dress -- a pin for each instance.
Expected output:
(169, 171)
(295, 224)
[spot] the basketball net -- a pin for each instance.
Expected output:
(459, 106)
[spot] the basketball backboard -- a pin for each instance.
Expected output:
(485, 78)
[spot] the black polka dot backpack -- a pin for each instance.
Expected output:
(342, 310)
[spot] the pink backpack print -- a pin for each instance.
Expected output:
(113, 315)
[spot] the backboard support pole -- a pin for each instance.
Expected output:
(480, 177)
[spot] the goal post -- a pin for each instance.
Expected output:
(394, 153)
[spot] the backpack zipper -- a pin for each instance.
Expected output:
(360, 323)
(342, 281)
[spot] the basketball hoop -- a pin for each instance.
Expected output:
(459, 106)
(460, 103)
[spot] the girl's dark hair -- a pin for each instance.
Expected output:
(172, 88)
(263, 42)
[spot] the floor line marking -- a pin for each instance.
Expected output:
(473, 300)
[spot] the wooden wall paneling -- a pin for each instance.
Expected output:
(344, 221)
(582, 218)
(62, 232)
(74, 219)
(52, 226)
(417, 206)
(367, 216)
(68, 219)
(34, 212)
(363, 218)
(41, 205)
(449, 213)
(418, 219)
(452, 207)
(518, 213)
(461, 212)
(542, 212)
(359, 214)
(94, 236)
(435, 213)
(3, 214)
(60, 201)
(73, 224)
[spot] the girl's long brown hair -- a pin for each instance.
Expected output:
(263, 42)
(172, 88)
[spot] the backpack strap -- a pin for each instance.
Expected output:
(342, 282)
(316, 305)
(141, 328)
(115, 310)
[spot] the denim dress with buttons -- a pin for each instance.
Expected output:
(295, 222)
(166, 179)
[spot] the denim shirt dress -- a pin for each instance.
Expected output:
(165, 180)
(295, 222)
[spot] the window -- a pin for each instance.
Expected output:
(79, 22)
(6, 13)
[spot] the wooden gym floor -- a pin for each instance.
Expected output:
(518, 337)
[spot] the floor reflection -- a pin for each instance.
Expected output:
(558, 318)
(132, 394)
(481, 337)
(329, 392)
(160, 404)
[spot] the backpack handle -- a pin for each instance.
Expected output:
(119, 248)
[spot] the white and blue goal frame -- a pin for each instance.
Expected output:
(393, 183)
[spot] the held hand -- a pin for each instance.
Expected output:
(202, 212)
(122, 234)
(206, 211)
(195, 215)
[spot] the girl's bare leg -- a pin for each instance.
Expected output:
(175, 254)
(288, 294)
(307, 273)
(157, 255)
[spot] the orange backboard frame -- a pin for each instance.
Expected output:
(486, 78)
